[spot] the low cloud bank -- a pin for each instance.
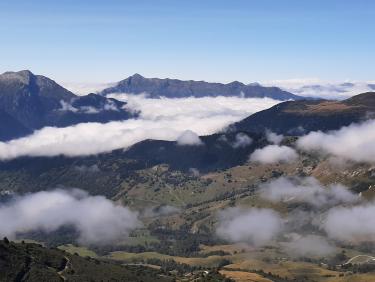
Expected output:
(162, 119)
(230, 108)
(307, 190)
(274, 154)
(310, 245)
(87, 138)
(337, 215)
(323, 89)
(254, 226)
(351, 224)
(354, 142)
(96, 218)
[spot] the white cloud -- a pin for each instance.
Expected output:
(273, 137)
(274, 154)
(307, 190)
(242, 141)
(254, 226)
(228, 109)
(352, 224)
(65, 107)
(162, 119)
(354, 142)
(160, 211)
(340, 215)
(86, 139)
(89, 110)
(68, 107)
(189, 138)
(310, 245)
(96, 218)
(110, 106)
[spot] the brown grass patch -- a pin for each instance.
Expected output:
(241, 276)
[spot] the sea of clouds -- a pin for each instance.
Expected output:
(337, 214)
(161, 119)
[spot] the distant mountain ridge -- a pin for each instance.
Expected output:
(174, 88)
(29, 102)
(300, 117)
(332, 90)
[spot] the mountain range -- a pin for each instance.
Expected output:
(300, 117)
(174, 88)
(179, 190)
(29, 102)
(290, 118)
(330, 90)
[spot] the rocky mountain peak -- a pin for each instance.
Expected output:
(137, 76)
(24, 76)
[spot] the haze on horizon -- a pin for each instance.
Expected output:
(221, 41)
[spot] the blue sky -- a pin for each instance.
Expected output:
(254, 40)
